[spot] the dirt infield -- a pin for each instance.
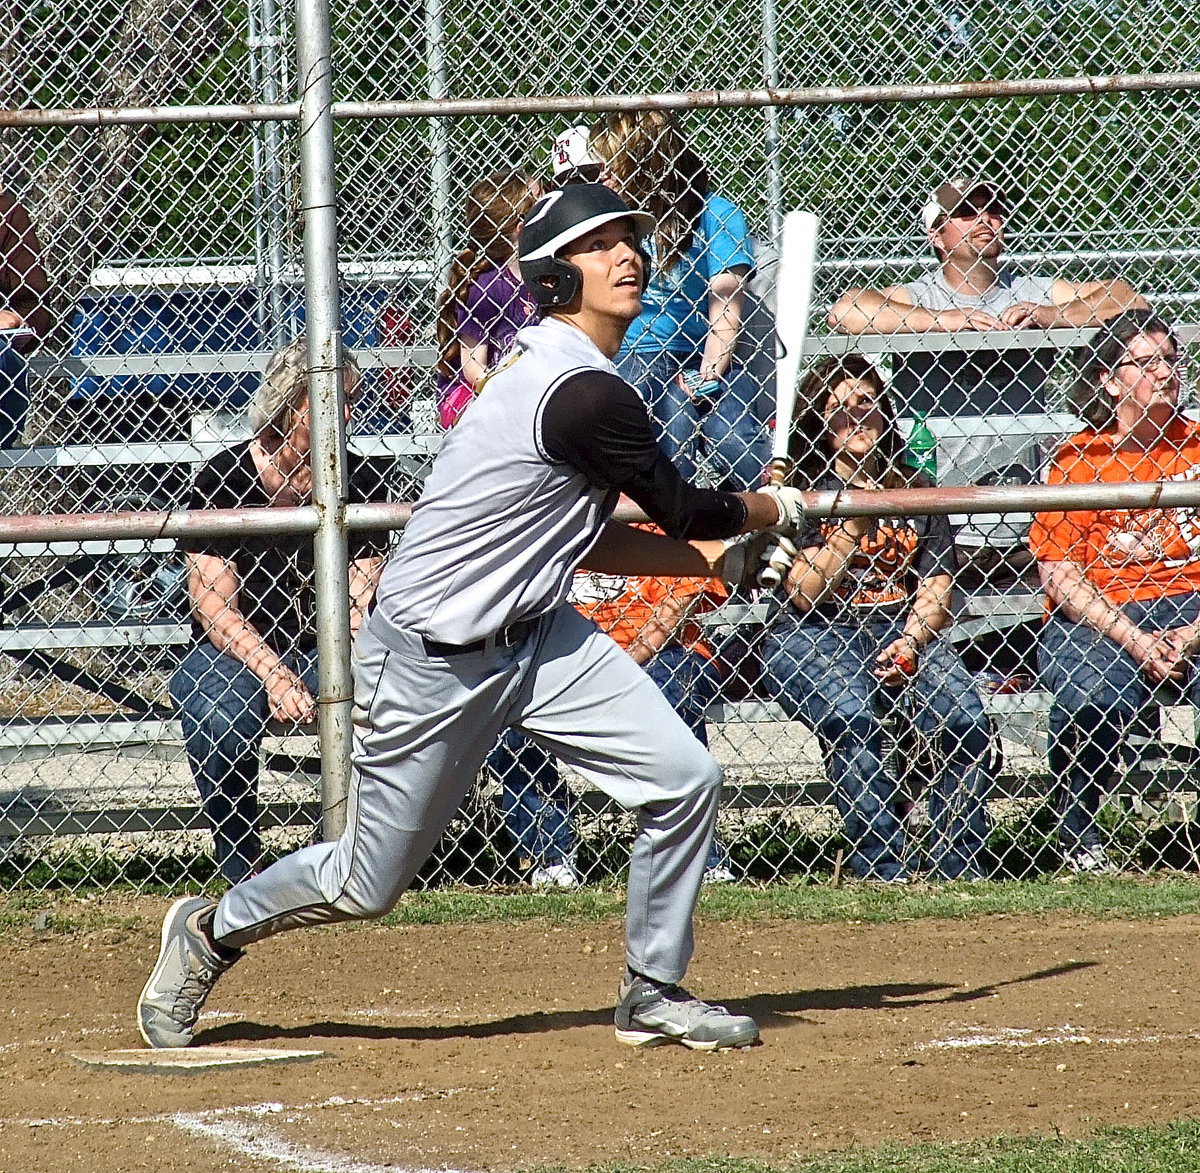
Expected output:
(491, 1047)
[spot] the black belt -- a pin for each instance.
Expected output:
(506, 637)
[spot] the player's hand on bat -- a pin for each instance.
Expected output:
(790, 503)
(776, 561)
(743, 558)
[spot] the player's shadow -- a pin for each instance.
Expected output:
(769, 1010)
(777, 1010)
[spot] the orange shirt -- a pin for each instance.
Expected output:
(1126, 553)
(622, 605)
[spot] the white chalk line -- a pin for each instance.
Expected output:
(119, 1025)
(1066, 1035)
(245, 1129)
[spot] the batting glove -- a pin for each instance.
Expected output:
(776, 562)
(749, 557)
(791, 508)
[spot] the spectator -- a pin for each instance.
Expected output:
(868, 598)
(1122, 586)
(484, 303)
(970, 289)
(253, 654)
(651, 619)
(679, 354)
(24, 318)
(572, 159)
(537, 810)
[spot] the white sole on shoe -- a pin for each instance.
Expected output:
(651, 1038)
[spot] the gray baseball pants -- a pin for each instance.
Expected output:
(423, 726)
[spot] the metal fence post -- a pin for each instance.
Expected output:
(327, 394)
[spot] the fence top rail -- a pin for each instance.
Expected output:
(967, 499)
(572, 105)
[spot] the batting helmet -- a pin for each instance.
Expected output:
(559, 218)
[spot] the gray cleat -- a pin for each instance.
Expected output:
(649, 1013)
(187, 968)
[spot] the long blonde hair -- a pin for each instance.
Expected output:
(655, 169)
(284, 385)
(495, 207)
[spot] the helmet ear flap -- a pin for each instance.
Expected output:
(553, 282)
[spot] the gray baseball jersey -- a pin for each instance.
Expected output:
(500, 527)
(507, 514)
(980, 382)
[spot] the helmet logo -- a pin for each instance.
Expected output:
(548, 202)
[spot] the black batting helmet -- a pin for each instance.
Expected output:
(559, 218)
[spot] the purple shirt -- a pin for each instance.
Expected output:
(496, 307)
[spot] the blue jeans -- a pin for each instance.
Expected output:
(223, 709)
(822, 675)
(1098, 690)
(729, 434)
(14, 395)
(536, 801)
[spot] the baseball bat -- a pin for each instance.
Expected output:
(793, 294)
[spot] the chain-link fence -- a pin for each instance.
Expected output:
(902, 708)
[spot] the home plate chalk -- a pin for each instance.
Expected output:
(175, 1059)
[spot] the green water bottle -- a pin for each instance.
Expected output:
(922, 447)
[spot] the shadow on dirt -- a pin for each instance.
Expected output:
(770, 1010)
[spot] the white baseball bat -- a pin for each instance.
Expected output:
(793, 294)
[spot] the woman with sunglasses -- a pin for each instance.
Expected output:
(867, 602)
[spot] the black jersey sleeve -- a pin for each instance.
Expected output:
(936, 554)
(596, 422)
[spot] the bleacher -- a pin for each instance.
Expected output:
(1019, 716)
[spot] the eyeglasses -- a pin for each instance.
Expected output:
(1176, 363)
(584, 173)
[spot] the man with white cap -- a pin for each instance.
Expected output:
(572, 159)
(971, 289)
(472, 634)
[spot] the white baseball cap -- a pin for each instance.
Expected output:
(946, 197)
(571, 151)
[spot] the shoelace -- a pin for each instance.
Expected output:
(681, 996)
(196, 986)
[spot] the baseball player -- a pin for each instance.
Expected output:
(472, 633)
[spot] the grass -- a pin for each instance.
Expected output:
(1118, 896)
(1169, 1148)
(854, 903)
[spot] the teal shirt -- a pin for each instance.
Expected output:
(675, 306)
